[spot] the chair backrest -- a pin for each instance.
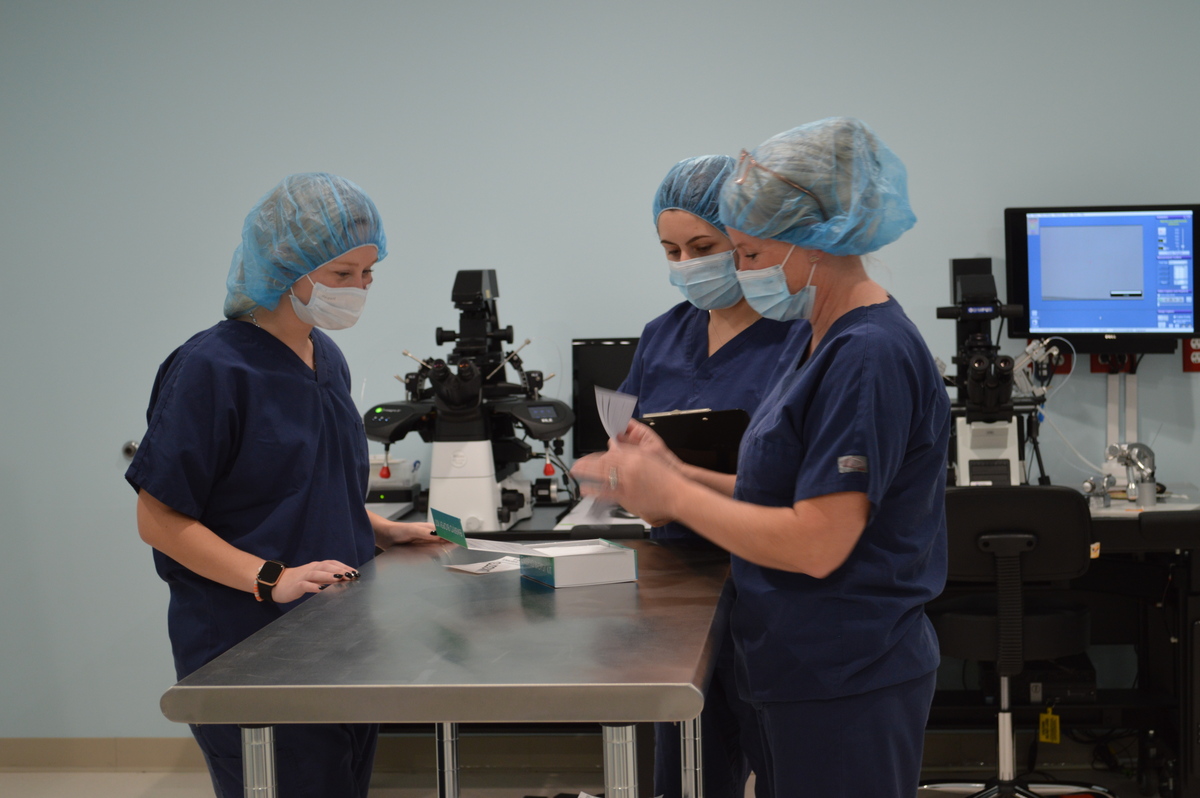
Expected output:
(1057, 517)
(1011, 536)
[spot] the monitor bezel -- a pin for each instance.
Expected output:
(1017, 274)
(583, 401)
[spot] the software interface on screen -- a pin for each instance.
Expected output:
(1111, 271)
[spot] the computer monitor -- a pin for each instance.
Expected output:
(595, 361)
(1109, 279)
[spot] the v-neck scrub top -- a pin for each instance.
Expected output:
(867, 412)
(672, 370)
(267, 453)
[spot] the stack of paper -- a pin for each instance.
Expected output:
(615, 409)
(564, 563)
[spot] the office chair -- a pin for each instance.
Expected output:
(1011, 537)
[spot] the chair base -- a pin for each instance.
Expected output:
(965, 789)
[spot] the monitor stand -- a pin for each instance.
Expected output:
(1122, 419)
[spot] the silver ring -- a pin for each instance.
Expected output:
(612, 478)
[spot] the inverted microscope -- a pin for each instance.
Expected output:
(470, 411)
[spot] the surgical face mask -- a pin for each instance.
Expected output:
(709, 283)
(767, 292)
(330, 308)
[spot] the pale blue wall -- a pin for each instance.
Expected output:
(522, 136)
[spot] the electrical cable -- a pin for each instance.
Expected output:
(1106, 755)
(1074, 363)
(557, 460)
(1095, 468)
(1155, 438)
(1043, 477)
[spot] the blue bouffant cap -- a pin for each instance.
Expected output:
(306, 221)
(694, 185)
(830, 185)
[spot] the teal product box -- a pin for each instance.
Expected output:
(571, 563)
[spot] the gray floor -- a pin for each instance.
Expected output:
(494, 784)
(1117, 785)
(197, 785)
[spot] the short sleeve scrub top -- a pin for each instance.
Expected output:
(866, 412)
(269, 454)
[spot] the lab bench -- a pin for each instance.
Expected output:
(415, 642)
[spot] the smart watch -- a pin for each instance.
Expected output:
(267, 578)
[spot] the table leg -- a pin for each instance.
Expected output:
(258, 761)
(620, 761)
(447, 759)
(690, 756)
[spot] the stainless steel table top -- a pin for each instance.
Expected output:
(413, 641)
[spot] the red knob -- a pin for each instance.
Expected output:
(385, 473)
(548, 470)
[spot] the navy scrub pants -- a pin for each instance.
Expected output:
(868, 744)
(313, 761)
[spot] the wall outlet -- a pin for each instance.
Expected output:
(1103, 364)
(1191, 354)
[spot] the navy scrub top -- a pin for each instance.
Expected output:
(265, 452)
(867, 412)
(672, 369)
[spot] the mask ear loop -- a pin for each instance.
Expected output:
(814, 262)
(292, 290)
(787, 256)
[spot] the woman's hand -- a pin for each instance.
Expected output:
(650, 442)
(392, 533)
(634, 474)
(200, 550)
(295, 581)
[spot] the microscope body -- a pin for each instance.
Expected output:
(471, 414)
(988, 439)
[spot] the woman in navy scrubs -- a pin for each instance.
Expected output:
(835, 519)
(711, 351)
(252, 475)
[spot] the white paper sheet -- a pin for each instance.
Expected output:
(489, 567)
(527, 550)
(567, 551)
(499, 546)
(615, 409)
(587, 511)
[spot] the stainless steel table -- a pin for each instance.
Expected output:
(415, 642)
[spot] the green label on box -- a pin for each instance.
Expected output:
(448, 528)
(540, 569)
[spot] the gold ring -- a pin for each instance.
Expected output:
(612, 478)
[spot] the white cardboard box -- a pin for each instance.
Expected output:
(570, 563)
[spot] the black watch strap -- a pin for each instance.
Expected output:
(267, 578)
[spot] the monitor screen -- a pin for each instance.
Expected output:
(595, 361)
(1117, 279)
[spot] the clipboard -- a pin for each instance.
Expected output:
(704, 438)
